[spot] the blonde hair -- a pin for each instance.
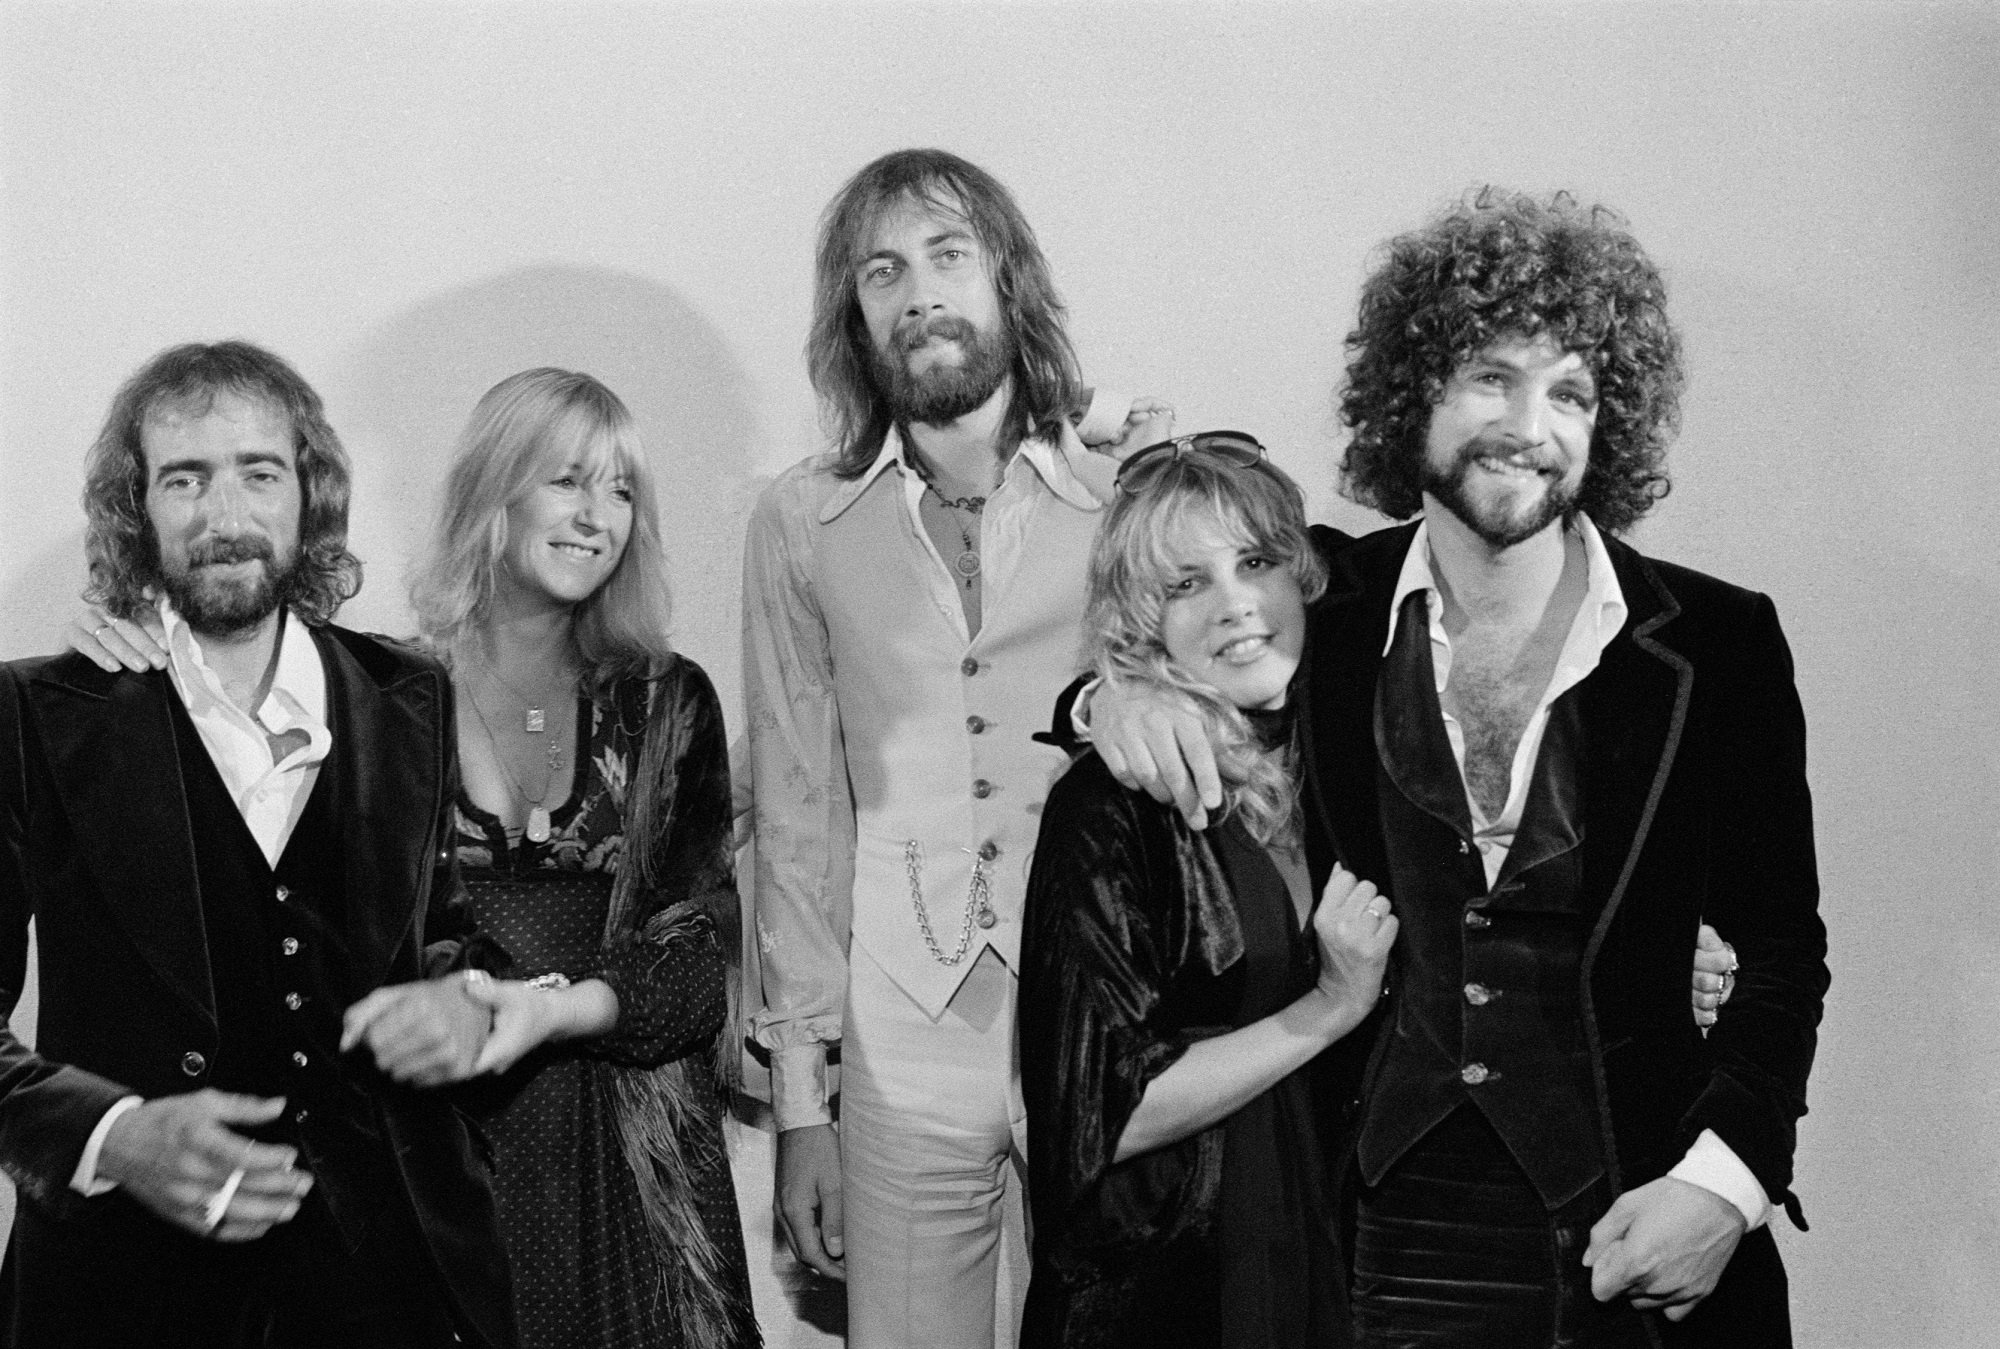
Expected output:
(1133, 561)
(525, 423)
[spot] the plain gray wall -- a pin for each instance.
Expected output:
(411, 202)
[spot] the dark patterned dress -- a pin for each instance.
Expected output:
(588, 1272)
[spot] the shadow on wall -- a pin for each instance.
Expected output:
(46, 590)
(409, 385)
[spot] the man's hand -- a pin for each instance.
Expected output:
(1714, 975)
(1663, 1245)
(1157, 745)
(118, 642)
(176, 1155)
(808, 1197)
(422, 1034)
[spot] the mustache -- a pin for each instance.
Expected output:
(1496, 445)
(947, 326)
(225, 551)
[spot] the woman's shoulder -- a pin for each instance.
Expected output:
(1087, 797)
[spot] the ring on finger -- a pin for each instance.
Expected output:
(1728, 987)
(1375, 908)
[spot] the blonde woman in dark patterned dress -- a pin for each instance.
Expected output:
(594, 838)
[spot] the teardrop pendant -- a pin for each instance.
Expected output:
(538, 825)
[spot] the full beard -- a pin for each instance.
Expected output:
(942, 392)
(219, 606)
(1501, 519)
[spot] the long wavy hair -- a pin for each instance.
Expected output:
(119, 542)
(1499, 266)
(1135, 559)
(1047, 384)
(523, 427)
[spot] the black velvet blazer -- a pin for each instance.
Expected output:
(1696, 809)
(95, 847)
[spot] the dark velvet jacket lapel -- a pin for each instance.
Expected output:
(110, 743)
(386, 759)
(1634, 705)
(1348, 626)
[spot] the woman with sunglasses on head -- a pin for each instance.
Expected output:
(1175, 983)
(594, 837)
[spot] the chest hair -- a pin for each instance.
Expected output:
(1497, 679)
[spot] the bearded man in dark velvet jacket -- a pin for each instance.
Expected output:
(1559, 758)
(244, 915)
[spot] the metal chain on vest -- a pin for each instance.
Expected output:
(978, 907)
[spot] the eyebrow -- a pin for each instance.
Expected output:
(945, 236)
(202, 465)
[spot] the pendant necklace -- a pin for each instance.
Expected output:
(538, 828)
(966, 564)
(533, 722)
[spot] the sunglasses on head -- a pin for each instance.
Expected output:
(1144, 468)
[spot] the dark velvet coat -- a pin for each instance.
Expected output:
(1132, 950)
(95, 847)
(1696, 810)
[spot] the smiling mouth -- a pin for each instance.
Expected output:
(1244, 650)
(575, 550)
(1521, 466)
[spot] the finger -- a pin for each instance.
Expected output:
(1608, 1277)
(511, 1038)
(803, 1235)
(134, 647)
(356, 1021)
(87, 639)
(1608, 1230)
(1200, 758)
(1707, 1002)
(1171, 766)
(1706, 938)
(232, 1108)
(833, 1222)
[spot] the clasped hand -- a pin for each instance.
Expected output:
(1664, 1245)
(422, 1034)
(1355, 930)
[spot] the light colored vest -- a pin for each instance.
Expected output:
(936, 732)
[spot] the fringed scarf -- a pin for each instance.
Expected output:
(659, 1109)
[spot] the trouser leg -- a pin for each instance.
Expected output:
(927, 1135)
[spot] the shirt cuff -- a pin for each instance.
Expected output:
(1711, 1164)
(1104, 420)
(798, 1087)
(1079, 709)
(85, 1181)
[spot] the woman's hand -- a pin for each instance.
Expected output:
(118, 642)
(1714, 975)
(1355, 928)
(526, 1018)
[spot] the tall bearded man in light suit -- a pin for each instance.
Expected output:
(244, 917)
(911, 602)
(1559, 757)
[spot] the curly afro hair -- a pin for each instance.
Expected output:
(1499, 266)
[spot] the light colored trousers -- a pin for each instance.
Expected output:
(932, 1164)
